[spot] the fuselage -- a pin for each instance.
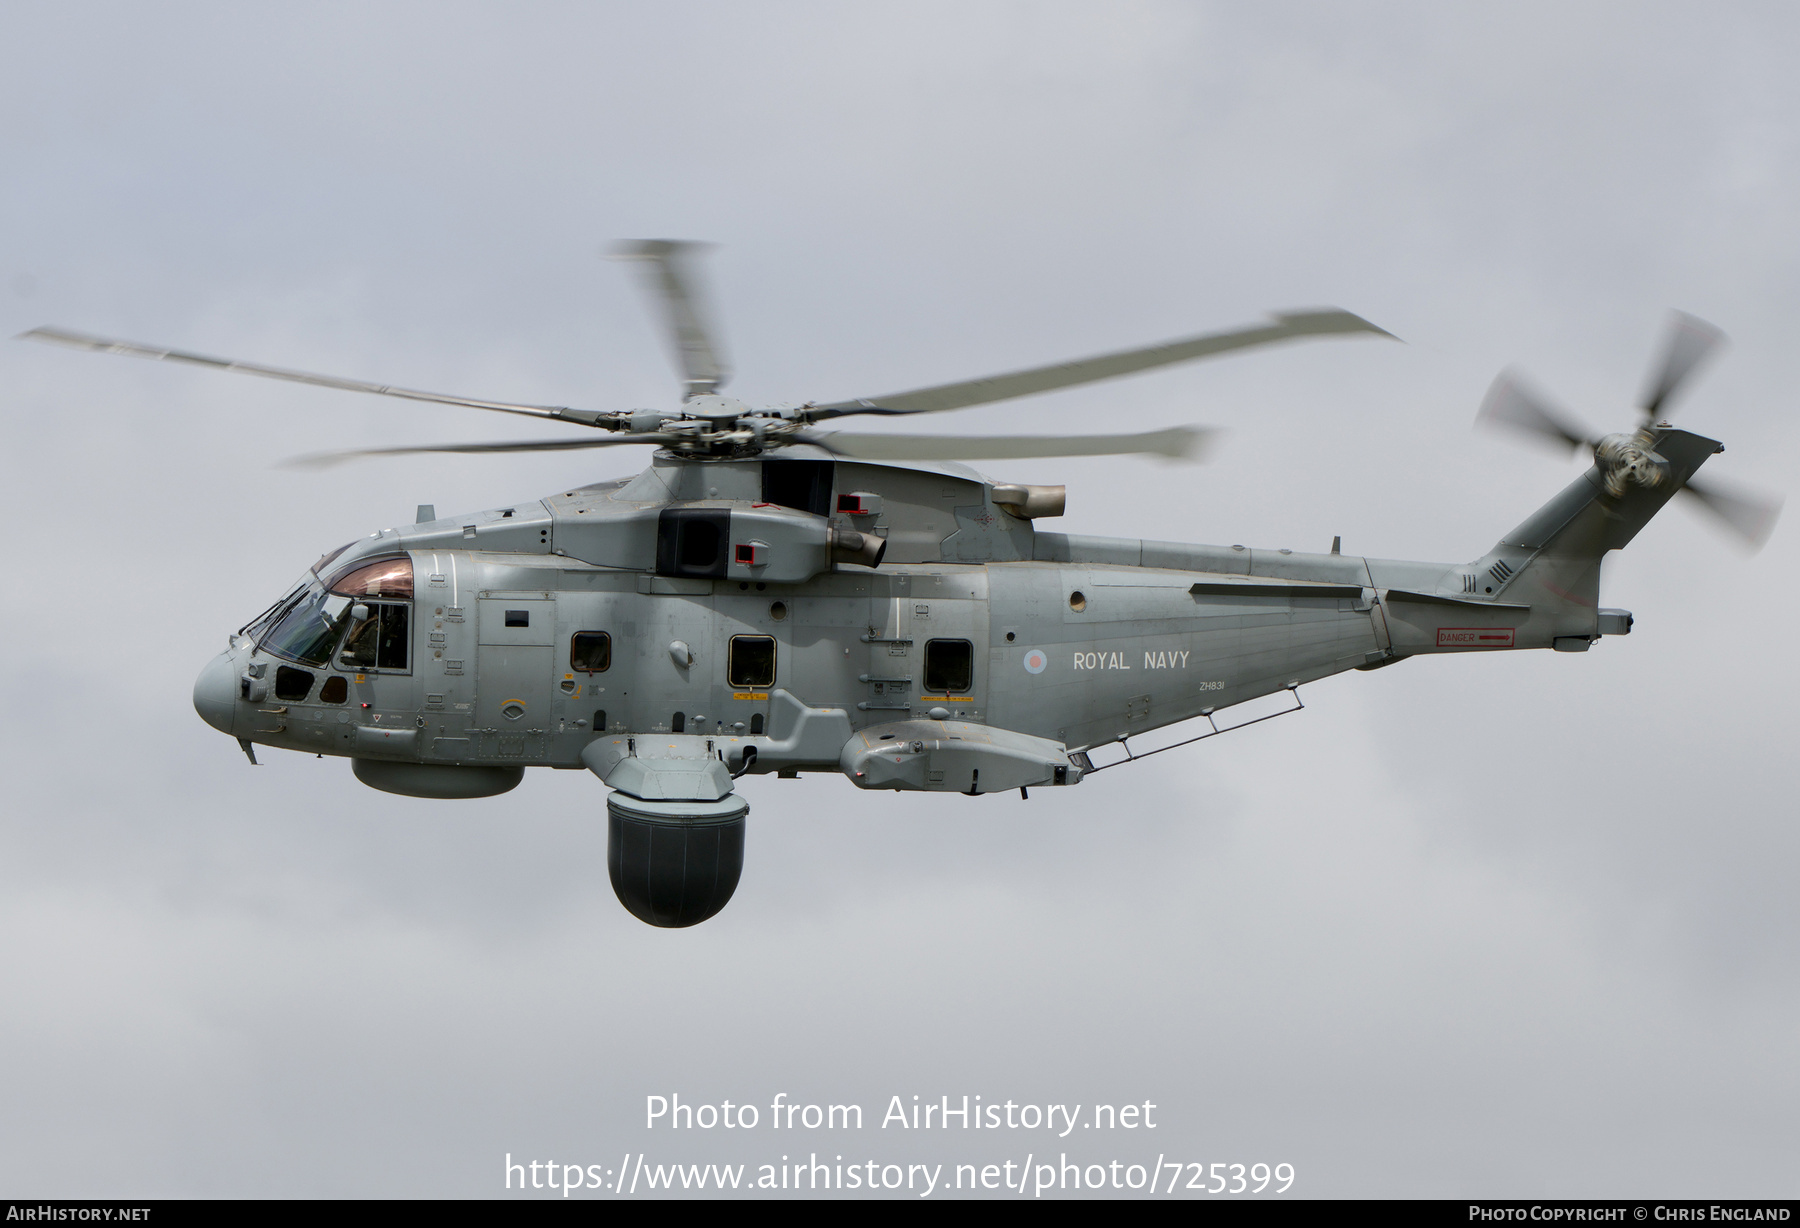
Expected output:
(518, 636)
(513, 660)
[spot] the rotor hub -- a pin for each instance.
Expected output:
(1627, 461)
(716, 409)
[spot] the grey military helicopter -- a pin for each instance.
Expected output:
(771, 598)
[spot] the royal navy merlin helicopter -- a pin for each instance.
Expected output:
(771, 598)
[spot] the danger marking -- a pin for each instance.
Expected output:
(1475, 637)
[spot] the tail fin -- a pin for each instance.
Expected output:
(1552, 561)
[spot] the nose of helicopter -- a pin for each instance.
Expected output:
(215, 692)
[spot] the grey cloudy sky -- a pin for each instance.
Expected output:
(1515, 925)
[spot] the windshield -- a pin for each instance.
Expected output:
(304, 625)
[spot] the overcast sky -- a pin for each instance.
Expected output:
(1516, 925)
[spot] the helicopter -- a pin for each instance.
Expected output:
(770, 598)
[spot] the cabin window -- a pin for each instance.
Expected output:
(752, 662)
(292, 685)
(590, 652)
(335, 690)
(949, 665)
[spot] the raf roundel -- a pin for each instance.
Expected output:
(1035, 661)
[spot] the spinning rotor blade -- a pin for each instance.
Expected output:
(1691, 341)
(672, 283)
(1751, 516)
(1512, 404)
(1176, 443)
(83, 341)
(1288, 326)
(321, 460)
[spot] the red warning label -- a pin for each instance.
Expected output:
(1475, 637)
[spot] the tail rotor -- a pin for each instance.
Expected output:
(1629, 458)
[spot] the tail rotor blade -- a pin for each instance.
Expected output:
(1512, 404)
(674, 284)
(1751, 516)
(1181, 443)
(1691, 341)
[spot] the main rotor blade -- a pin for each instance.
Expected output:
(1288, 326)
(1176, 443)
(104, 345)
(321, 460)
(1514, 405)
(674, 285)
(1751, 516)
(1690, 342)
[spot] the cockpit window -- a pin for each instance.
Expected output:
(292, 685)
(392, 577)
(303, 626)
(313, 618)
(378, 641)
